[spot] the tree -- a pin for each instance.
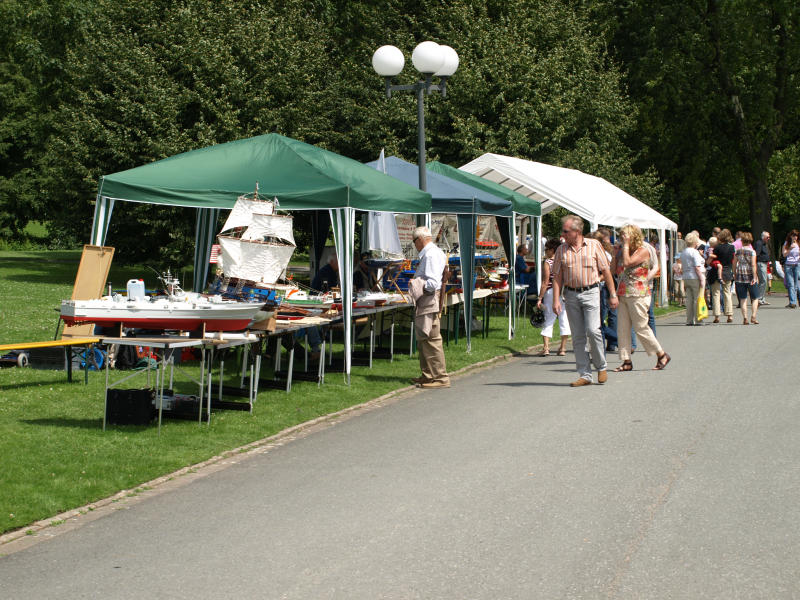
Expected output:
(717, 91)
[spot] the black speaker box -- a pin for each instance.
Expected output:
(130, 407)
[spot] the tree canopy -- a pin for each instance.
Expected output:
(644, 95)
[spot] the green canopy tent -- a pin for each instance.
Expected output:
(455, 198)
(299, 175)
(521, 205)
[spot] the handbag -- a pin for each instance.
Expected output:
(702, 309)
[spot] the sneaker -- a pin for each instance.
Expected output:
(434, 385)
(580, 382)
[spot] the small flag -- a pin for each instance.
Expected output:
(212, 260)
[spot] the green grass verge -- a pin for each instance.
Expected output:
(56, 456)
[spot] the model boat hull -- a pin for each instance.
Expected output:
(234, 316)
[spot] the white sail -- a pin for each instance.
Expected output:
(275, 226)
(262, 262)
(382, 233)
(242, 212)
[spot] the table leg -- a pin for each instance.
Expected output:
(105, 400)
(321, 366)
(256, 380)
(391, 340)
(202, 384)
(221, 372)
(160, 387)
(68, 362)
(210, 379)
(486, 317)
(371, 339)
(289, 371)
(277, 366)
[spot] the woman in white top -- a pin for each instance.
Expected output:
(693, 271)
(546, 302)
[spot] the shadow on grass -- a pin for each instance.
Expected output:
(402, 378)
(66, 422)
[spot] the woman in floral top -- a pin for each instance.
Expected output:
(632, 265)
(746, 276)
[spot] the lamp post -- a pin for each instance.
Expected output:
(431, 60)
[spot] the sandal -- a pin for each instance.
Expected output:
(544, 353)
(562, 352)
(625, 366)
(754, 322)
(662, 362)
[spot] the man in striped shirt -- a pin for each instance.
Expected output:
(577, 267)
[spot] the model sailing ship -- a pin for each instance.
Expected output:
(174, 310)
(256, 245)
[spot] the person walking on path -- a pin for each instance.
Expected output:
(694, 276)
(744, 268)
(546, 302)
(791, 268)
(577, 266)
(632, 265)
(425, 289)
(762, 261)
(723, 252)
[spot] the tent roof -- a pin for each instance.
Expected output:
(299, 175)
(519, 203)
(448, 195)
(593, 198)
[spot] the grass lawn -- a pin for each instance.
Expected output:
(56, 456)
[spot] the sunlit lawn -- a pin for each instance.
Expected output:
(55, 454)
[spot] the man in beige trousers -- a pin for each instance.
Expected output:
(425, 289)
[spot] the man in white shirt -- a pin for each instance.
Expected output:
(425, 290)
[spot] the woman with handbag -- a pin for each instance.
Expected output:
(694, 276)
(634, 265)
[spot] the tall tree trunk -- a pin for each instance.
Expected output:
(760, 202)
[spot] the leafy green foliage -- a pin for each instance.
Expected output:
(116, 84)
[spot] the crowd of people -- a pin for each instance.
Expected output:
(723, 266)
(601, 294)
(601, 291)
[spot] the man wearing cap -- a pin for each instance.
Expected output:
(425, 289)
(578, 265)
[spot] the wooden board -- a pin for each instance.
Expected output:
(89, 283)
(55, 344)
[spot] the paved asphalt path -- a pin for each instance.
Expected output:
(678, 484)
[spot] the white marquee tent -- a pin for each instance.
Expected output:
(592, 198)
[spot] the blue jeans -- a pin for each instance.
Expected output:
(312, 334)
(608, 320)
(792, 271)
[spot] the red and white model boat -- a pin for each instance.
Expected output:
(178, 310)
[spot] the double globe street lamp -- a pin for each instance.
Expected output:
(431, 60)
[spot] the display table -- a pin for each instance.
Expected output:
(167, 345)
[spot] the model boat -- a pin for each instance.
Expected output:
(176, 310)
(256, 245)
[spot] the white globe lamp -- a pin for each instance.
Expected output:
(388, 61)
(428, 58)
(450, 62)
